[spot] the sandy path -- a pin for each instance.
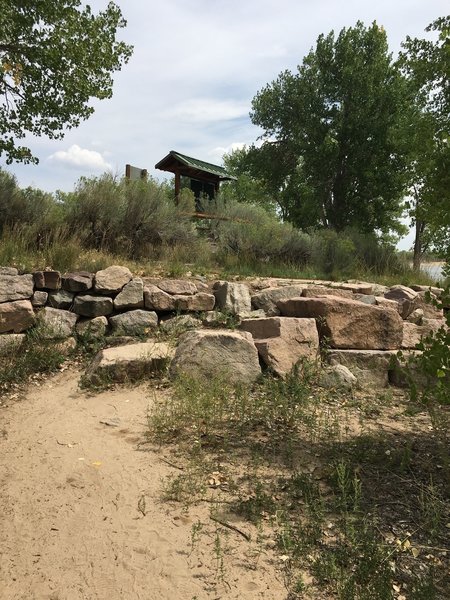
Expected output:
(70, 525)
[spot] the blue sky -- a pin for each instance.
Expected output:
(196, 66)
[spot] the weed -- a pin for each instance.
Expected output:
(37, 354)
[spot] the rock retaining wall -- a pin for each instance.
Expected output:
(280, 321)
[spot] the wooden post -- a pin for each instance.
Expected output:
(177, 187)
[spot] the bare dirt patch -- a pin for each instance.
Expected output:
(81, 515)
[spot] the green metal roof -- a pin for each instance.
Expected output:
(166, 164)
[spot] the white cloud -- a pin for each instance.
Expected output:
(81, 158)
(207, 110)
(217, 153)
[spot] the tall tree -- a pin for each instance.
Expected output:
(426, 63)
(55, 56)
(334, 134)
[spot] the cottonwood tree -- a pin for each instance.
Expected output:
(55, 56)
(334, 149)
(426, 63)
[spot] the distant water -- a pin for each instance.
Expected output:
(434, 269)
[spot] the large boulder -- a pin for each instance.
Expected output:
(177, 287)
(93, 306)
(232, 297)
(15, 287)
(370, 367)
(60, 299)
(348, 323)
(82, 281)
(283, 341)
(405, 297)
(156, 299)
(57, 324)
(92, 328)
(268, 298)
(197, 303)
(134, 322)
(131, 296)
(112, 279)
(16, 316)
(128, 363)
(219, 352)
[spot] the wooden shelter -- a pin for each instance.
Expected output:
(204, 177)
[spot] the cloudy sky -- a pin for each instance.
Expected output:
(196, 66)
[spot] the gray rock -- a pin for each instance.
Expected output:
(131, 296)
(366, 298)
(177, 287)
(156, 299)
(39, 298)
(92, 306)
(232, 297)
(197, 303)
(217, 353)
(134, 322)
(16, 316)
(128, 363)
(268, 298)
(406, 298)
(179, 324)
(60, 299)
(95, 328)
(16, 287)
(57, 323)
(370, 367)
(8, 271)
(81, 281)
(112, 279)
(337, 377)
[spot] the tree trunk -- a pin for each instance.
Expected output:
(417, 257)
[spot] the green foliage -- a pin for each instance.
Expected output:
(134, 218)
(334, 152)
(36, 355)
(55, 56)
(250, 231)
(426, 64)
(433, 363)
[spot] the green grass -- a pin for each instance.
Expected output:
(359, 511)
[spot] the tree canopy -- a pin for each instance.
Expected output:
(426, 64)
(55, 56)
(334, 149)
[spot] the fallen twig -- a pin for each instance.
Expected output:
(232, 527)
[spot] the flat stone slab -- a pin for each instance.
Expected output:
(129, 363)
(15, 287)
(112, 279)
(268, 298)
(16, 316)
(348, 323)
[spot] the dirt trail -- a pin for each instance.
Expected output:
(80, 515)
